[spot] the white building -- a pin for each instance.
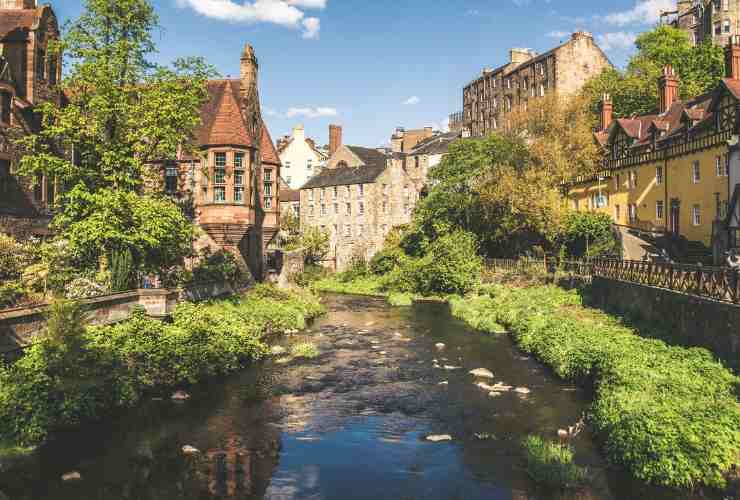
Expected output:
(300, 157)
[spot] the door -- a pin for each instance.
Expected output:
(675, 218)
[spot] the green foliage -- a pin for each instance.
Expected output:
(400, 299)
(98, 224)
(588, 234)
(14, 258)
(218, 266)
(551, 465)
(304, 350)
(315, 244)
(74, 375)
(386, 260)
(669, 414)
(123, 271)
(310, 274)
(11, 293)
(52, 268)
(83, 288)
(635, 90)
(290, 231)
(368, 285)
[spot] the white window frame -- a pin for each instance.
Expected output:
(695, 172)
(659, 175)
(696, 215)
(659, 210)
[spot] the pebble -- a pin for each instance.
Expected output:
(180, 396)
(72, 476)
(444, 383)
(449, 368)
(485, 386)
(495, 394)
(190, 450)
(439, 346)
(382, 353)
(439, 437)
(522, 390)
(277, 350)
(500, 387)
(481, 372)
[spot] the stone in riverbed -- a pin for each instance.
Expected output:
(72, 476)
(277, 350)
(495, 394)
(482, 373)
(190, 450)
(500, 387)
(439, 346)
(485, 386)
(444, 383)
(180, 396)
(450, 368)
(522, 390)
(439, 437)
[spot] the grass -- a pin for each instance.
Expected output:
(669, 414)
(550, 464)
(361, 286)
(400, 299)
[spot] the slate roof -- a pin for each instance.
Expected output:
(15, 24)
(287, 195)
(369, 156)
(345, 176)
(436, 145)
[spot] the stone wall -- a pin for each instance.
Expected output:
(286, 266)
(19, 327)
(692, 320)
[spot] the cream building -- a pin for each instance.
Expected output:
(300, 157)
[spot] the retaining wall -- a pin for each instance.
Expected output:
(691, 320)
(19, 327)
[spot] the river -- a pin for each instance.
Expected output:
(349, 424)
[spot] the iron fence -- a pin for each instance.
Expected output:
(716, 283)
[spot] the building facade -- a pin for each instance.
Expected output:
(364, 193)
(231, 182)
(300, 158)
(713, 20)
(564, 70)
(29, 76)
(671, 172)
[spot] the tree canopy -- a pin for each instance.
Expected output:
(634, 90)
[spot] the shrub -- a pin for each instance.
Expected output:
(304, 350)
(218, 266)
(11, 293)
(83, 288)
(385, 261)
(311, 273)
(552, 465)
(400, 299)
(123, 272)
(669, 414)
(14, 258)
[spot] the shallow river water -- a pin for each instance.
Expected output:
(350, 424)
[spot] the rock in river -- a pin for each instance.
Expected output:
(180, 396)
(481, 372)
(522, 390)
(439, 437)
(439, 346)
(190, 450)
(72, 476)
(277, 350)
(450, 368)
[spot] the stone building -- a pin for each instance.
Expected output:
(300, 157)
(28, 77)
(715, 20)
(363, 193)
(564, 70)
(231, 185)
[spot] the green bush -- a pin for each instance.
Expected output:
(11, 293)
(311, 273)
(669, 414)
(123, 271)
(551, 465)
(218, 266)
(385, 261)
(14, 258)
(76, 374)
(400, 299)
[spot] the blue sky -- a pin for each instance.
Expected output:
(374, 65)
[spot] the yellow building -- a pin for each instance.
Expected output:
(668, 172)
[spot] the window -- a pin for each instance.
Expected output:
(361, 208)
(309, 165)
(322, 194)
(220, 160)
(632, 179)
(659, 209)
(696, 215)
(406, 208)
(336, 192)
(310, 194)
(347, 230)
(286, 164)
(267, 183)
(238, 160)
(617, 182)
(323, 209)
(724, 207)
(336, 209)
(695, 172)
(170, 178)
(633, 212)
(360, 229)
(361, 190)
(296, 210)
(310, 210)
(416, 162)
(542, 90)
(238, 177)
(727, 26)
(41, 64)
(346, 192)
(289, 179)
(405, 191)
(219, 194)
(6, 101)
(385, 207)
(717, 28)
(348, 209)
(658, 175)
(219, 178)
(617, 212)
(722, 166)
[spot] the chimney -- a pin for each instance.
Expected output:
(732, 58)
(249, 69)
(667, 88)
(335, 138)
(20, 5)
(397, 140)
(519, 56)
(607, 111)
(299, 133)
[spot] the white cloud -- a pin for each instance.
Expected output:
(618, 40)
(281, 12)
(644, 12)
(311, 28)
(411, 101)
(311, 112)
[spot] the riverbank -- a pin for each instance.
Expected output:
(76, 374)
(670, 415)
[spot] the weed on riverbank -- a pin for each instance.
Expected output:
(551, 465)
(668, 414)
(61, 384)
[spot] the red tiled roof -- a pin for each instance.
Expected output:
(222, 122)
(15, 24)
(269, 154)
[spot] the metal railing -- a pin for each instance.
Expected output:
(716, 283)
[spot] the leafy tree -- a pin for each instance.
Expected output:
(98, 224)
(588, 234)
(635, 90)
(315, 244)
(122, 112)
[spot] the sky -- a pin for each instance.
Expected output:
(372, 66)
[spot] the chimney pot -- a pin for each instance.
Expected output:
(607, 111)
(732, 58)
(335, 138)
(667, 88)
